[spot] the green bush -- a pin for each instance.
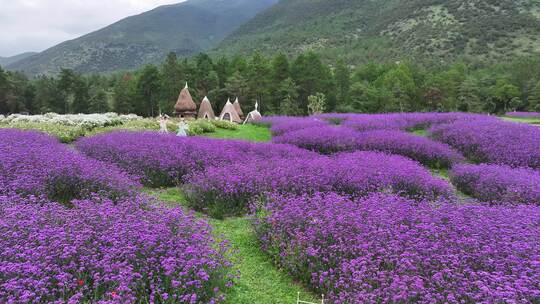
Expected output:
(65, 134)
(223, 124)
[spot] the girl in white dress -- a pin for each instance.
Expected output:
(163, 125)
(182, 128)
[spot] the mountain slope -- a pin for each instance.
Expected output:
(185, 28)
(4, 61)
(393, 29)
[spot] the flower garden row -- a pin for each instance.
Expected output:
(359, 226)
(75, 230)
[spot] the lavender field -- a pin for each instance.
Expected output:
(384, 208)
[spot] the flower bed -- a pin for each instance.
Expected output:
(87, 121)
(283, 124)
(421, 149)
(228, 190)
(497, 184)
(107, 253)
(386, 249)
(322, 139)
(164, 160)
(493, 141)
(33, 163)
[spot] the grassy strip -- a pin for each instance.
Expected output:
(260, 281)
(532, 120)
(244, 132)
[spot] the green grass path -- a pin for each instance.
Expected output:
(244, 132)
(260, 281)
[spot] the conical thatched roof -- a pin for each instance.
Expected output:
(205, 110)
(229, 113)
(254, 115)
(238, 108)
(185, 102)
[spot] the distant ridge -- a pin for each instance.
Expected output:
(5, 61)
(185, 28)
(363, 30)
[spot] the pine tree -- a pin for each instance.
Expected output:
(534, 98)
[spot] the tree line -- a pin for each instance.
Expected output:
(283, 85)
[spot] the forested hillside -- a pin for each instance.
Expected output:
(423, 30)
(185, 29)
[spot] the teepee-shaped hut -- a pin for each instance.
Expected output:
(238, 108)
(229, 113)
(185, 107)
(254, 115)
(205, 110)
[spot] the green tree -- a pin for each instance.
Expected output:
(123, 95)
(316, 104)
(288, 94)
(172, 80)
(81, 96)
(147, 92)
(343, 81)
(534, 98)
(505, 96)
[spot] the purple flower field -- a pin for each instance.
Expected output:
(107, 253)
(35, 164)
(387, 249)
(228, 190)
(493, 141)
(165, 160)
(346, 204)
(498, 184)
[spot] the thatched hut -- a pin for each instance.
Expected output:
(229, 113)
(254, 115)
(238, 108)
(185, 106)
(205, 110)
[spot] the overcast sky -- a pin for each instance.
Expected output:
(35, 25)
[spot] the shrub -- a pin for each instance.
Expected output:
(223, 124)
(200, 126)
(493, 141)
(421, 149)
(322, 139)
(227, 190)
(65, 134)
(387, 249)
(34, 164)
(107, 253)
(498, 184)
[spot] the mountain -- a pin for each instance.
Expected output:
(185, 28)
(361, 30)
(4, 61)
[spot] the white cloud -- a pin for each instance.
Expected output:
(35, 25)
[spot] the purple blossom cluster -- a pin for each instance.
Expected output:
(101, 252)
(228, 190)
(493, 141)
(323, 139)
(421, 149)
(283, 124)
(498, 184)
(403, 121)
(164, 160)
(32, 163)
(523, 114)
(387, 249)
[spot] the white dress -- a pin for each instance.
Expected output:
(163, 126)
(182, 129)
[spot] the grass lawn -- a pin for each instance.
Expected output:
(533, 121)
(244, 132)
(421, 132)
(260, 281)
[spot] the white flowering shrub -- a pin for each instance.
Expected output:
(87, 121)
